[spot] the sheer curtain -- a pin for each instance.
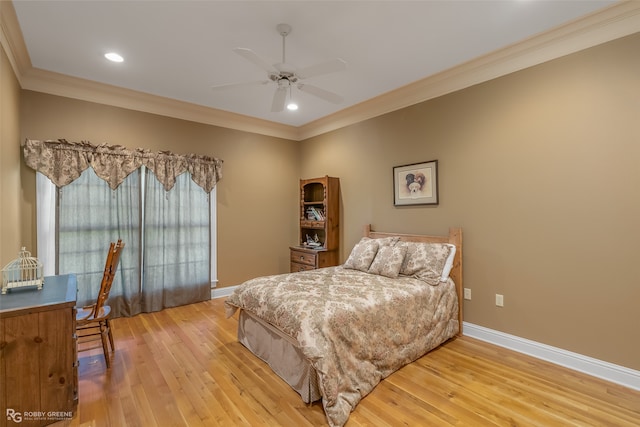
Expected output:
(176, 229)
(90, 216)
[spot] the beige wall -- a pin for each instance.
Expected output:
(11, 225)
(541, 168)
(257, 196)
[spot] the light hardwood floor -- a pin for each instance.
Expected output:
(184, 367)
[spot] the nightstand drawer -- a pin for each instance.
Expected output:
(300, 257)
(296, 267)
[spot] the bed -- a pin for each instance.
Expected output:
(334, 333)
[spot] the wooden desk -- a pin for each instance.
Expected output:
(38, 356)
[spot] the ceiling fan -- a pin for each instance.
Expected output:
(286, 76)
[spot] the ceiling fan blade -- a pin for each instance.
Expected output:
(279, 98)
(322, 68)
(251, 56)
(320, 93)
(241, 84)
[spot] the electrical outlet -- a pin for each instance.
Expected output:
(499, 300)
(467, 293)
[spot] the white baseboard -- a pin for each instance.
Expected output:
(222, 292)
(594, 367)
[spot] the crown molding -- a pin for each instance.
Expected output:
(619, 20)
(73, 87)
(12, 40)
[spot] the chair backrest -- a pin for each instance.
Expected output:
(110, 267)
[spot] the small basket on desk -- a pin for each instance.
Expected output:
(22, 271)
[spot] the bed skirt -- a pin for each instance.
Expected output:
(281, 353)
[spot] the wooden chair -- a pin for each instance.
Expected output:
(92, 321)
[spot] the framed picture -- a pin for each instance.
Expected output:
(416, 184)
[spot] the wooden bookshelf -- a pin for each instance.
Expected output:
(319, 235)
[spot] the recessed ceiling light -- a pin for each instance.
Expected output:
(112, 56)
(292, 106)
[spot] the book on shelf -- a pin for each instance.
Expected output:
(319, 213)
(315, 214)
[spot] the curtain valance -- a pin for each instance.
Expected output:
(63, 161)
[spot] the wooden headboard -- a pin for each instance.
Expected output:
(454, 237)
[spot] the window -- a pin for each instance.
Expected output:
(169, 254)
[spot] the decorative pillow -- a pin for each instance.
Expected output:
(362, 254)
(388, 260)
(426, 261)
(388, 241)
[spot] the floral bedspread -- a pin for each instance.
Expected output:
(355, 328)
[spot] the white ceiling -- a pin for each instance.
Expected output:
(180, 49)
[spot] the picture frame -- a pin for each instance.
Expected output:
(416, 184)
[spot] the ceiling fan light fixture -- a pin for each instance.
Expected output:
(291, 106)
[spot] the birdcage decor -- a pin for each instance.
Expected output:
(22, 271)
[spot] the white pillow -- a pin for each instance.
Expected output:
(448, 265)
